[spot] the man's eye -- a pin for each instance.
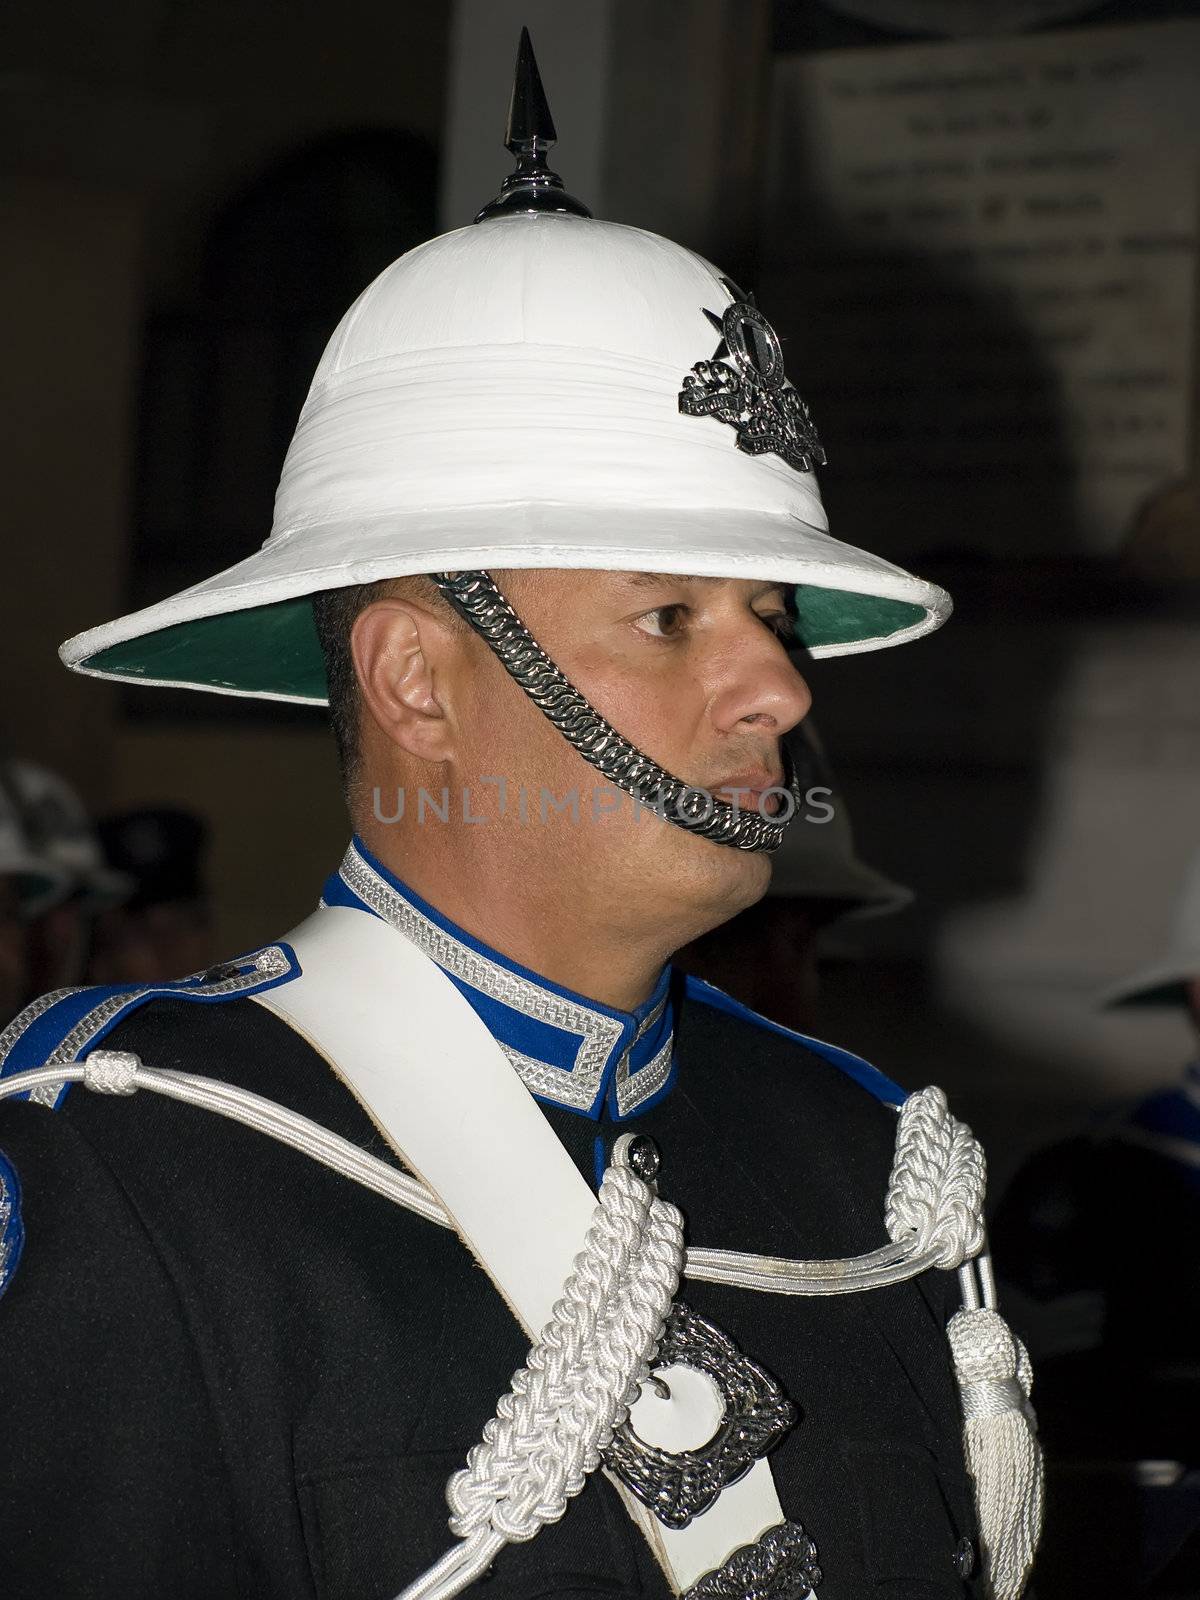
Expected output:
(781, 623)
(664, 622)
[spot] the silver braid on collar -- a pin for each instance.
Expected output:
(477, 599)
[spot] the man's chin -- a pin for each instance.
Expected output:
(726, 880)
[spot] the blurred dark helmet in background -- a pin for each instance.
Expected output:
(163, 930)
(767, 955)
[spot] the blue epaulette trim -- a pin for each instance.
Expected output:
(12, 1231)
(863, 1073)
(1170, 1113)
(65, 1025)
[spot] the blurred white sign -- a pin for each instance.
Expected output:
(984, 256)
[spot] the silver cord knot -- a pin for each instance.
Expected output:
(111, 1071)
(938, 1181)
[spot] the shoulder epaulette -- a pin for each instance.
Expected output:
(67, 1023)
(863, 1073)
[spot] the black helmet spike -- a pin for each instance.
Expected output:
(529, 120)
(530, 133)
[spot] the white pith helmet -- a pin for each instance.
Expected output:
(509, 395)
(1167, 980)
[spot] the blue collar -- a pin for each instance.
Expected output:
(567, 1050)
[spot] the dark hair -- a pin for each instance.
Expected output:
(334, 614)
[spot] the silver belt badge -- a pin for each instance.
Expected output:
(678, 1486)
(781, 1565)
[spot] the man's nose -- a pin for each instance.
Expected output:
(763, 688)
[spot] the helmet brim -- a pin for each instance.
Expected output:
(249, 630)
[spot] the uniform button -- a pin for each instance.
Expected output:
(964, 1557)
(643, 1157)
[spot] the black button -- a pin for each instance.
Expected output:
(643, 1157)
(964, 1557)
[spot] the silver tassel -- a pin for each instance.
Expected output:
(995, 1377)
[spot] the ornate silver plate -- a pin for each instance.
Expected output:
(782, 1565)
(757, 1413)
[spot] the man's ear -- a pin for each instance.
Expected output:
(400, 653)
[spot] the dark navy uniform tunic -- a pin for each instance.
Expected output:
(226, 1371)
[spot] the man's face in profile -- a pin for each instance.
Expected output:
(693, 671)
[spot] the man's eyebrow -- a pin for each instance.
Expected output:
(655, 580)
